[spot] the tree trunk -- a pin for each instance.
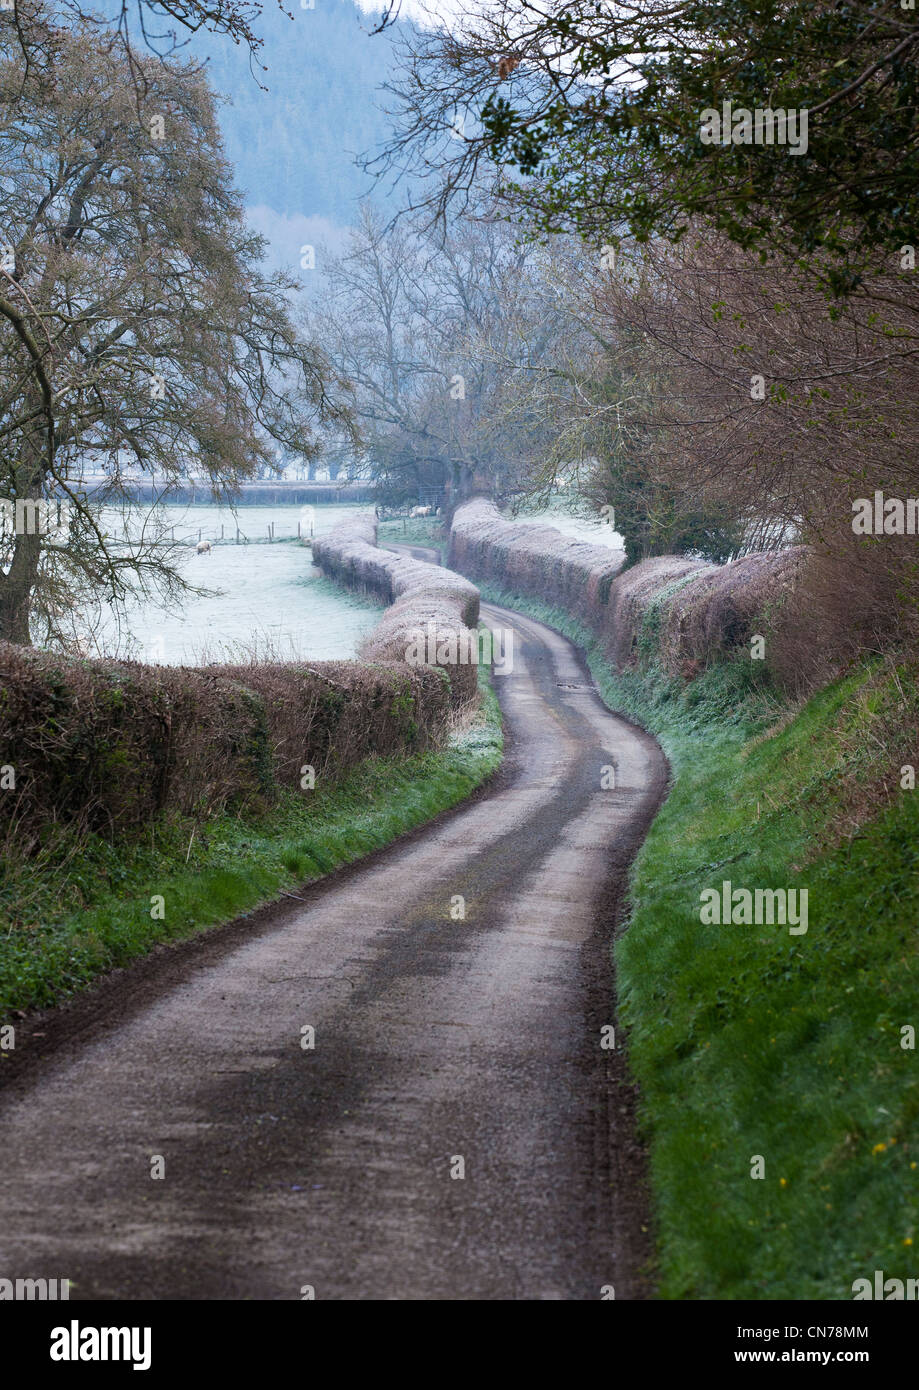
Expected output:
(462, 482)
(16, 591)
(16, 587)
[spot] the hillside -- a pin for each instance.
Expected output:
(294, 144)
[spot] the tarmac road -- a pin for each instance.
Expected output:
(437, 1039)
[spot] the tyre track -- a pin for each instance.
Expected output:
(435, 1039)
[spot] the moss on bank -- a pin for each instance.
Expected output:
(747, 1041)
(80, 907)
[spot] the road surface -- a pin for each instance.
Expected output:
(455, 1132)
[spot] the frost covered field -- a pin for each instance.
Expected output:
(266, 598)
(580, 529)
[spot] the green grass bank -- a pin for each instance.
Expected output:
(755, 1049)
(80, 907)
(418, 530)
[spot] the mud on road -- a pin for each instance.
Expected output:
(437, 1039)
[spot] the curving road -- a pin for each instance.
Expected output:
(435, 1040)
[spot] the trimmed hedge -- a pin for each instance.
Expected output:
(110, 745)
(700, 612)
(332, 714)
(537, 560)
(424, 599)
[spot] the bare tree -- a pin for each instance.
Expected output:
(431, 332)
(136, 27)
(136, 327)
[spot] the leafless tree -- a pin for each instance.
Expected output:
(137, 329)
(432, 332)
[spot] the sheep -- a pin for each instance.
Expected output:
(203, 547)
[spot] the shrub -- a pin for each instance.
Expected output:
(421, 596)
(110, 745)
(682, 612)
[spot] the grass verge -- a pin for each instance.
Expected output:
(419, 530)
(751, 1043)
(83, 907)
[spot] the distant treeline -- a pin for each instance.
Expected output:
(249, 494)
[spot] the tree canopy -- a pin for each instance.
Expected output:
(593, 116)
(137, 330)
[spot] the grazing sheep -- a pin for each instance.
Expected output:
(203, 547)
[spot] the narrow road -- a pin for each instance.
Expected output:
(436, 1040)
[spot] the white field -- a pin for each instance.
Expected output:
(269, 598)
(595, 532)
